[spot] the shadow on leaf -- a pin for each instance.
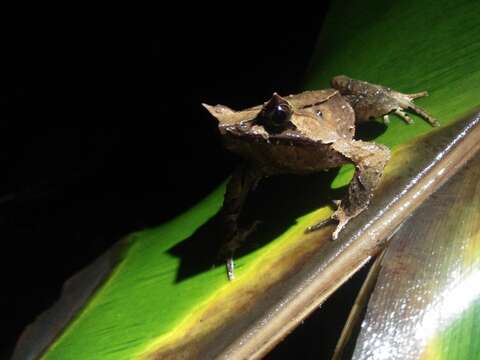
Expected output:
(276, 203)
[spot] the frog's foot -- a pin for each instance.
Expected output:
(342, 218)
(320, 225)
(370, 101)
(405, 102)
(329, 221)
(339, 217)
(229, 248)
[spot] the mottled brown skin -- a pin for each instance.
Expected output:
(306, 133)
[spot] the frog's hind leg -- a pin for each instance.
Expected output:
(372, 101)
(369, 160)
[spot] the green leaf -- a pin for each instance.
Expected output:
(426, 302)
(146, 309)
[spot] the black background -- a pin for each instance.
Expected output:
(102, 132)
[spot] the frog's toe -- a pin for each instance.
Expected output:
(320, 225)
(417, 95)
(337, 231)
(337, 203)
(230, 268)
(340, 226)
(399, 112)
(342, 218)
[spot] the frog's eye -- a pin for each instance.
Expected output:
(279, 114)
(276, 113)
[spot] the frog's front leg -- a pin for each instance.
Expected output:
(369, 160)
(372, 101)
(242, 181)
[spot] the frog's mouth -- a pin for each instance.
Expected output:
(251, 132)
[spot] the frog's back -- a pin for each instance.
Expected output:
(329, 107)
(310, 97)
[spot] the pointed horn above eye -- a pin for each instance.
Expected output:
(220, 112)
(276, 100)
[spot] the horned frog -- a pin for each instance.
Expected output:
(306, 133)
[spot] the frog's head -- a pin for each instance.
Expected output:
(273, 117)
